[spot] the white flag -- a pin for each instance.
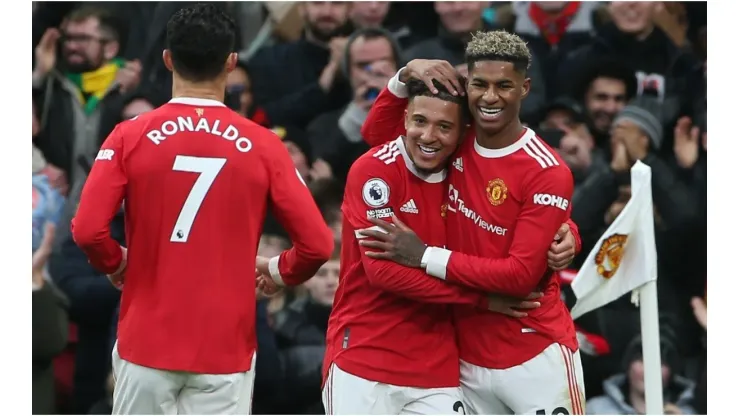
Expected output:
(625, 257)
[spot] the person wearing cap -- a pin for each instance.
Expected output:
(624, 393)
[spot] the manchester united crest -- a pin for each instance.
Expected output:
(444, 210)
(496, 192)
(610, 255)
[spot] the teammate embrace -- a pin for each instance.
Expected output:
(447, 231)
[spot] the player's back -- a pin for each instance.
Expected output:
(196, 196)
(373, 332)
(487, 191)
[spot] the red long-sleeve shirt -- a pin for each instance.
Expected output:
(504, 208)
(196, 179)
(389, 323)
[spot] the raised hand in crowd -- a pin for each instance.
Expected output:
(428, 70)
(46, 53)
(129, 76)
(373, 79)
(635, 141)
(575, 147)
(320, 169)
(57, 178)
(700, 311)
(686, 143)
(336, 47)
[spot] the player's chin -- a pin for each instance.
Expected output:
(430, 162)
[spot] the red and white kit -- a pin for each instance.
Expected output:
(197, 179)
(391, 344)
(504, 207)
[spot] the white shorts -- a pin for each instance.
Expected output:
(147, 391)
(549, 384)
(347, 394)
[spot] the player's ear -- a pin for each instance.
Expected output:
(406, 121)
(525, 87)
(167, 58)
(231, 61)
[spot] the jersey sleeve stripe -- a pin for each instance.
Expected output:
(545, 151)
(373, 228)
(534, 156)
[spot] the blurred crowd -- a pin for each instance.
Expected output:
(310, 71)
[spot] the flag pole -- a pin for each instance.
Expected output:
(650, 332)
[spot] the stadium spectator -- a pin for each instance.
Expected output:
(624, 393)
(84, 89)
(297, 81)
(663, 70)
(369, 60)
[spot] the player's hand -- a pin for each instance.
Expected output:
(117, 278)
(267, 287)
(562, 250)
(262, 266)
(513, 307)
(428, 70)
(397, 242)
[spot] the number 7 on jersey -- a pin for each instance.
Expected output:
(208, 168)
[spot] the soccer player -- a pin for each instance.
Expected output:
(390, 342)
(508, 194)
(196, 179)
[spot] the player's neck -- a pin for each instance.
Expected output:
(506, 137)
(212, 90)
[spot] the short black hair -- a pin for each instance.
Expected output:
(200, 38)
(606, 68)
(417, 88)
(110, 26)
(499, 45)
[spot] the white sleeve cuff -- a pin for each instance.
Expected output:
(436, 260)
(396, 87)
(272, 266)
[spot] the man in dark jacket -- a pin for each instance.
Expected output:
(297, 81)
(80, 97)
(672, 75)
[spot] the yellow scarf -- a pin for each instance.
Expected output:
(92, 86)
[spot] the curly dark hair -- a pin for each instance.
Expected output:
(200, 39)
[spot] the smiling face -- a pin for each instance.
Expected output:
(433, 130)
(495, 92)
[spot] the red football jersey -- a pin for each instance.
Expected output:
(504, 208)
(197, 179)
(390, 323)
(481, 224)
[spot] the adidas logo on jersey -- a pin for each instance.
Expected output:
(458, 164)
(410, 207)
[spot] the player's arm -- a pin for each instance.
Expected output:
(100, 200)
(296, 210)
(385, 119)
(387, 275)
(576, 234)
(545, 208)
